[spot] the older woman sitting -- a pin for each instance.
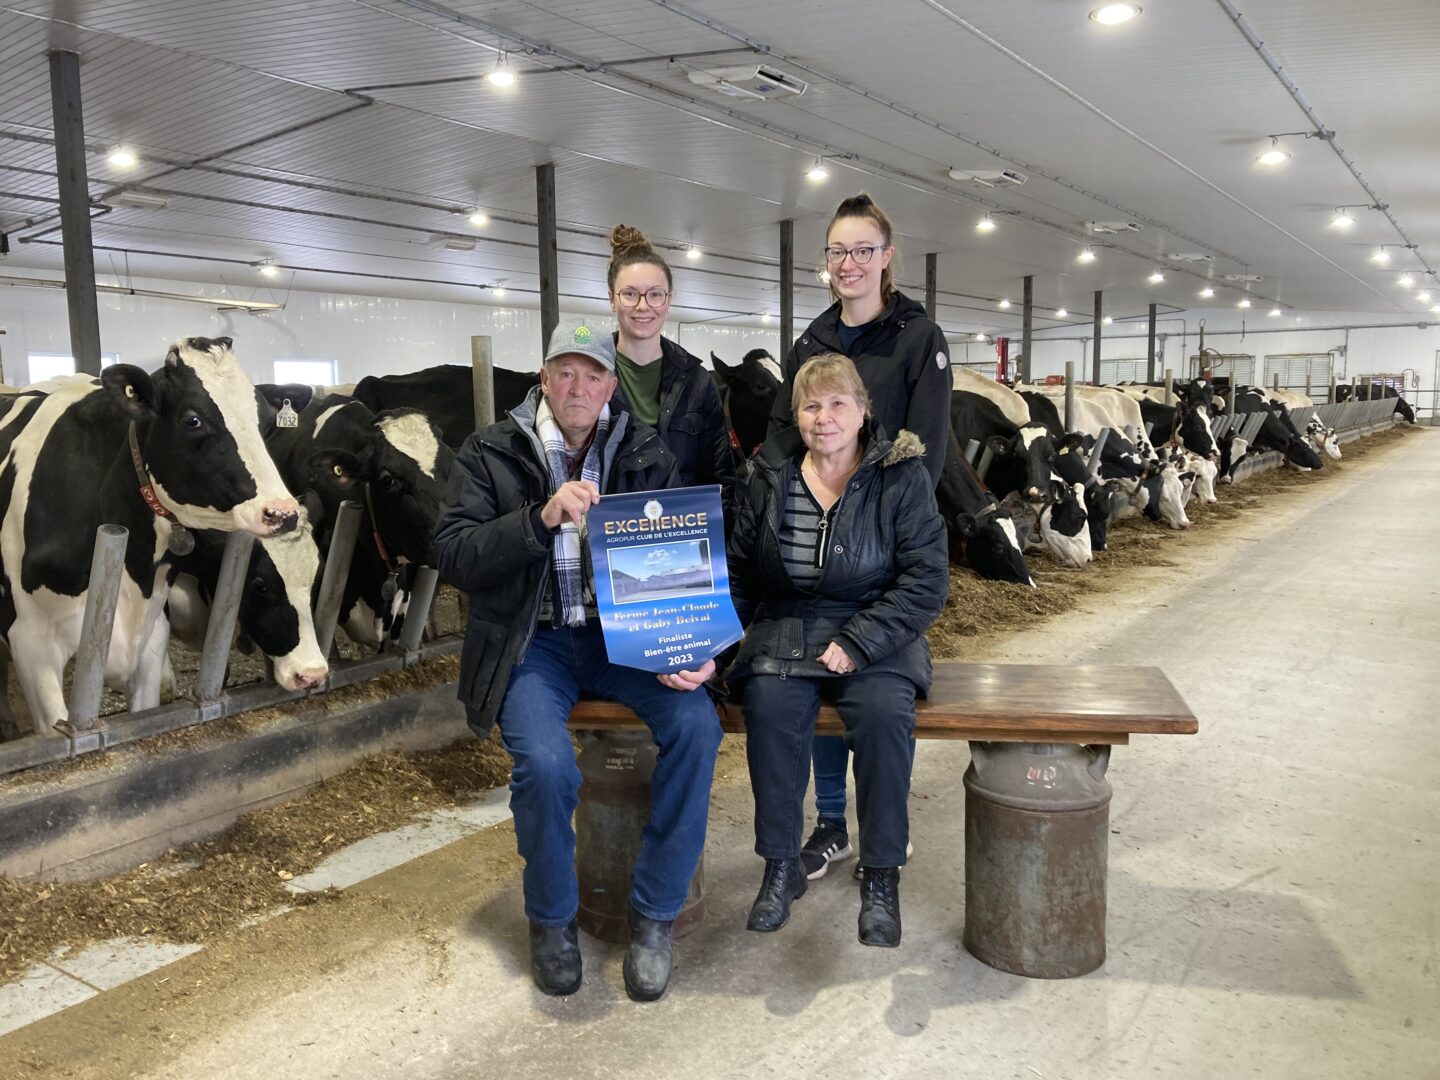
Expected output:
(838, 566)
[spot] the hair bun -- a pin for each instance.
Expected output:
(625, 239)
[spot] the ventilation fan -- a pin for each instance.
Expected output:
(989, 177)
(1243, 277)
(1112, 227)
(754, 81)
(442, 242)
(1190, 256)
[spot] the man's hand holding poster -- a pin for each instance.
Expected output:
(661, 582)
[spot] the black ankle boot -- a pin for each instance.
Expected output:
(783, 882)
(555, 958)
(880, 906)
(650, 958)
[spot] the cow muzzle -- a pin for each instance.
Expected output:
(279, 517)
(302, 679)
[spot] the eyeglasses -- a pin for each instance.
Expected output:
(861, 253)
(631, 297)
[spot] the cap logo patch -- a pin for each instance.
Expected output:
(583, 335)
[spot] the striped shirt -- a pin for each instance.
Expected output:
(803, 529)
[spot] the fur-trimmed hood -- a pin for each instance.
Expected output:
(907, 445)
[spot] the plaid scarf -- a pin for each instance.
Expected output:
(573, 587)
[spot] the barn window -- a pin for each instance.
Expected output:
(310, 372)
(54, 365)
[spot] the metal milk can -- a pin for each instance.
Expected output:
(1037, 819)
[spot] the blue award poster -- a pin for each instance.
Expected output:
(660, 578)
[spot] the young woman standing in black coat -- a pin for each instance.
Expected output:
(904, 363)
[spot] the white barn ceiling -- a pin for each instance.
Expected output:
(276, 130)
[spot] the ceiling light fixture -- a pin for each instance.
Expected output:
(817, 173)
(1245, 303)
(985, 224)
(498, 291)
(501, 75)
(1406, 281)
(1423, 296)
(980, 337)
(137, 199)
(267, 268)
(1156, 278)
(1274, 311)
(478, 218)
(765, 318)
(1061, 313)
(1086, 256)
(824, 276)
(1436, 309)
(123, 157)
(1115, 14)
(1004, 305)
(1381, 256)
(1273, 156)
(1342, 218)
(1106, 321)
(693, 253)
(1207, 292)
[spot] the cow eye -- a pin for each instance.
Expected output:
(390, 483)
(259, 586)
(192, 422)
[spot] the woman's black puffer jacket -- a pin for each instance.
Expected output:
(886, 574)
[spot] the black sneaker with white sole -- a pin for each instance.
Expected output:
(830, 842)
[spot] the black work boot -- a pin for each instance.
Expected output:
(783, 882)
(555, 957)
(650, 958)
(880, 906)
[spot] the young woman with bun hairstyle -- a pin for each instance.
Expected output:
(662, 384)
(904, 362)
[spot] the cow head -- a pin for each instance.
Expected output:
(1300, 453)
(1323, 438)
(1166, 501)
(749, 390)
(1035, 452)
(197, 423)
(400, 468)
(276, 602)
(1193, 430)
(1064, 525)
(992, 547)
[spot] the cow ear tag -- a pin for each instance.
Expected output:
(182, 540)
(287, 417)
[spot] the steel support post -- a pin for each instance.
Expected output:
(1093, 462)
(1027, 312)
(337, 570)
(787, 287)
(219, 634)
(1099, 318)
(1150, 363)
(417, 613)
(1169, 387)
(548, 251)
(972, 447)
(1069, 395)
(986, 457)
(932, 259)
(482, 380)
(107, 567)
(73, 183)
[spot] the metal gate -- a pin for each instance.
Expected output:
(1309, 373)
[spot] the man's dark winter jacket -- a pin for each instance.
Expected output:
(491, 543)
(885, 578)
(691, 420)
(904, 363)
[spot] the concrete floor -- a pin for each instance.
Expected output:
(1273, 900)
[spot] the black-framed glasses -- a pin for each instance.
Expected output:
(631, 297)
(860, 253)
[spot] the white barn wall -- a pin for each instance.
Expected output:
(364, 335)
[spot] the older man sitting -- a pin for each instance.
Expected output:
(511, 534)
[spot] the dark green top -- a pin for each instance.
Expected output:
(641, 383)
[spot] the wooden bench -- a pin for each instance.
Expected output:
(1036, 803)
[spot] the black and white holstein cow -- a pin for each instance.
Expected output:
(1373, 392)
(395, 465)
(1277, 433)
(1023, 463)
(445, 394)
(150, 452)
(748, 391)
(1186, 424)
(982, 534)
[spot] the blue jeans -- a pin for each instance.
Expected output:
(832, 758)
(545, 782)
(878, 711)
